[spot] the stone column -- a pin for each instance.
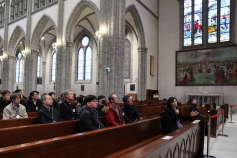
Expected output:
(142, 69)
(68, 52)
(8, 77)
(61, 77)
(112, 47)
(33, 70)
(43, 76)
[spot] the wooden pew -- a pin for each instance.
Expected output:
(18, 122)
(186, 142)
(152, 111)
(98, 143)
(26, 134)
(185, 111)
(215, 122)
(226, 108)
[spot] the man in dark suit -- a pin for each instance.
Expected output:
(130, 112)
(47, 113)
(33, 104)
(67, 109)
(55, 103)
(89, 117)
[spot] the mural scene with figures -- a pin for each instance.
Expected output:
(216, 66)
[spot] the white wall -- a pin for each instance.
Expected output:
(12, 27)
(168, 45)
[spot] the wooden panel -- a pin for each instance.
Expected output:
(215, 122)
(18, 122)
(152, 111)
(133, 95)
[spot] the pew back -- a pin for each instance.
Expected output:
(18, 122)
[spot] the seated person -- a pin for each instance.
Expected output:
(55, 103)
(173, 115)
(5, 101)
(23, 100)
(88, 119)
(67, 109)
(34, 103)
(101, 102)
(14, 110)
(81, 104)
(193, 107)
(130, 110)
(113, 113)
(47, 113)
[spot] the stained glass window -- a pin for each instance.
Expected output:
(197, 22)
(53, 67)
(84, 63)
(212, 21)
(127, 59)
(38, 67)
(225, 20)
(19, 68)
(187, 22)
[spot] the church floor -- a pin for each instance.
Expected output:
(225, 147)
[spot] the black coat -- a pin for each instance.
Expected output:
(23, 102)
(89, 121)
(55, 104)
(3, 104)
(68, 111)
(31, 107)
(44, 115)
(99, 110)
(193, 107)
(130, 114)
(171, 118)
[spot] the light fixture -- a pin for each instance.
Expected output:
(42, 38)
(2, 57)
(100, 33)
(24, 52)
(54, 45)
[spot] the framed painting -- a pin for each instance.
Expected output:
(152, 66)
(207, 67)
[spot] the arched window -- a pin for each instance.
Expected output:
(38, 67)
(19, 68)
(53, 67)
(206, 21)
(127, 59)
(84, 65)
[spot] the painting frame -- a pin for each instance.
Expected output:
(210, 60)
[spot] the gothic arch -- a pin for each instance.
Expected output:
(142, 52)
(77, 11)
(39, 30)
(13, 40)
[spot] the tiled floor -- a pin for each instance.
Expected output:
(225, 147)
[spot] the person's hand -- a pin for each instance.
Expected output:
(194, 113)
(177, 111)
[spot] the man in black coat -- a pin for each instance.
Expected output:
(193, 107)
(89, 117)
(130, 111)
(33, 104)
(23, 99)
(101, 102)
(48, 114)
(67, 109)
(55, 103)
(5, 101)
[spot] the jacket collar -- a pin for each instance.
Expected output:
(195, 105)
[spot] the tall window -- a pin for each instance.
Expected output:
(217, 15)
(84, 65)
(19, 68)
(53, 67)
(38, 67)
(127, 59)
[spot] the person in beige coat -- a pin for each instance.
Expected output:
(14, 110)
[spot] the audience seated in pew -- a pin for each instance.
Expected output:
(81, 104)
(193, 107)
(55, 103)
(34, 104)
(14, 110)
(47, 113)
(130, 112)
(173, 115)
(113, 113)
(67, 109)
(88, 120)
(101, 102)
(23, 98)
(5, 101)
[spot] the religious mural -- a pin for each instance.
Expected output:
(217, 66)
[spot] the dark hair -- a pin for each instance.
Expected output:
(101, 97)
(5, 92)
(170, 100)
(191, 99)
(125, 98)
(80, 99)
(14, 96)
(111, 97)
(18, 90)
(51, 93)
(89, 98)
(32, 93)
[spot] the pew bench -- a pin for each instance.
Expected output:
(151, 111)
(18, 122)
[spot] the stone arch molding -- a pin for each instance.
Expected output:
(77, 11)
(13, 40)
(39, 30)
(142, 52)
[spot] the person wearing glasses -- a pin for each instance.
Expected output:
(34, 104)
(174, 116)
(88, 120)
(113, 113)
